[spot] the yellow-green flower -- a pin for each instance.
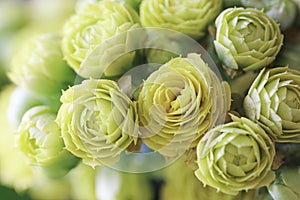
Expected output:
(188, 17)
(39, 139)
(246, 39)
(98, 121)
(178, 103)
(273, 101)
(92, 26)
(180, 183)
(236, 156)
(39, 65)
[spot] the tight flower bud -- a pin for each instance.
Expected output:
(39, 139)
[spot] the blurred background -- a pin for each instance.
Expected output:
(20, 19)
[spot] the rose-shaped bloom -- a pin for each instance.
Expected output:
(39, 139)
(273, 101)
(93, 25)
(178, 103)
(286, 184)
(235, 156)
(188, 17)
(98, 121)
(282, 11)
(39, 65)
(246, 39)
(179, 173)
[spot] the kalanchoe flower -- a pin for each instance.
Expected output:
(93, 25)
(39, 139)
(273, 101)
(98, 121)
(235, 156)
(178, 103)
(179, 173)
(246, 39)
(40, 67)
(286, 185)
(282, 11)
(188, 17)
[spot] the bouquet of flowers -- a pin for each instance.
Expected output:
(151, 99)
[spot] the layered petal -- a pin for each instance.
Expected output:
(39, 139)
(274, 102)
(235, 156)
(39, 65)
(92, 26)
(246, 39)
(178, 103)
(98, 121)
(188, 17)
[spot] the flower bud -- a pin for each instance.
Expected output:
(39, 139)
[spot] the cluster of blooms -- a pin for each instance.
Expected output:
(115, 78)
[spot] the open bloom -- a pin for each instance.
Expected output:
(235, 156)
(94, 24)
(246, 39)
(188, 17)
(179, 173)
(39, 139)
(39, 65)
(178, 103)
(274, 102)
(98, 121)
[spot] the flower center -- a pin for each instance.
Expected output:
(292, 99)
(239, 157)
(93, 122)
